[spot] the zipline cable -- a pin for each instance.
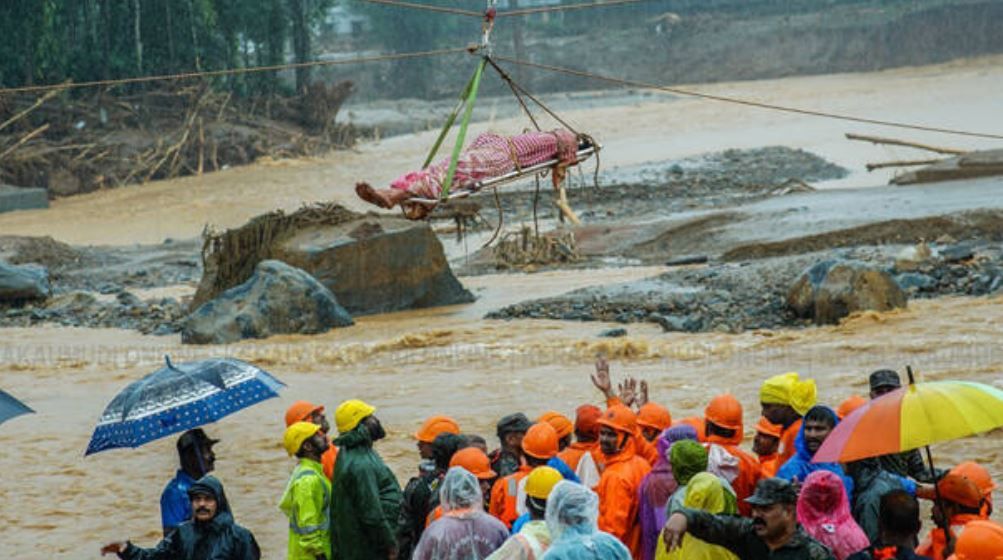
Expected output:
(746, 102)
(234, 71)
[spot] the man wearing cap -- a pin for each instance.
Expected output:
(197, 460)
(584, 456)
(508, 457)
(960, 502)
(365, 496)
(620, 483)
(653, 419)
(765, 446)
(307, 498)
(771, 533)
(533, 538)
(305, 411)
(420, 490)
(211, 533)
(785, 399)
(908, 463)
(539, 446)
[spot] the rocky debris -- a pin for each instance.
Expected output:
(832, 289)
(19, 283)
(613, 333)
(46, 251)
(277, 299)
(83, 309)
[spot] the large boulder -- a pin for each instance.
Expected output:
(276, 299)
(372, 263)
(19, 283)
(832, 289)
(376, 264)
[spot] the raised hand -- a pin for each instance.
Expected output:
(628, 391)
(601, 378)
(643, 398)
(113, 548)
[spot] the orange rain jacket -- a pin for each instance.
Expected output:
(934, 545)
(505, 494)
(749, 470)
(618, 497)
(787, 449)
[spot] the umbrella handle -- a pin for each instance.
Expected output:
(943, 524)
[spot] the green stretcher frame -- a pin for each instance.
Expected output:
(467, 99)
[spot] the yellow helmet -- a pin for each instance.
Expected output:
(350, 413)
(296, 434)
(541, 481)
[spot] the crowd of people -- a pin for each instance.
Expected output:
(624, 481)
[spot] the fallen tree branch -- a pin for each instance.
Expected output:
(904, 163)
(38, 103)
(906, 143)
(24, 139)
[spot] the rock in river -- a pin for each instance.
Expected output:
(276, 299)
(832, 289)
(23, 282)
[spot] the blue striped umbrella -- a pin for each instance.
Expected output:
(180, 397)
(11, 407)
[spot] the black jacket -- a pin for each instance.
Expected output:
(737, 535)
(219, 539)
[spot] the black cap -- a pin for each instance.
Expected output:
(885, 378)
(771, 491)
(513, 423)
(195, 437)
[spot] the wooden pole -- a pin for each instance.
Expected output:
(906, 143)
(903, 163)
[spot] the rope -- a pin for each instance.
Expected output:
(427, 7)
(233, 71)
(515, 86)
(746, 102)
(528, 11)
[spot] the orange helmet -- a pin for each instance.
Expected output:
(560, 422)
(981, 540)
(434, 426)
(725, 411)
(766, 427)
(587, 420)
(654, 416)
(977, 474)
(853, 402)
(540, 441)
(619, 418)
(475, 461)
(960, 489)
(301, 411)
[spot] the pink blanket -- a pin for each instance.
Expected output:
(491, 155)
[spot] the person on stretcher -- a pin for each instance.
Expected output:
(490, 155)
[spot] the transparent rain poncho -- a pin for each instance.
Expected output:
(465, 531)
(572, 518)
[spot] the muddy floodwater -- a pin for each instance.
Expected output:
(54, 503)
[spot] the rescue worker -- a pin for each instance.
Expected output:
(723, 422)
(508, 457)
(627, 397)
(772, 533)
(562, 425)
(583, 456)
(765, 446)
(574, 535)
(870, 482)
(785, 399)
(898, 527)
(817, 424)
(307, 498)
(959, 503)
(420, 490)
(365, 496)
(197, 460)
(653, 419)
(908, 463)
(850, 404)
(210, 534)
(305, 411)
(533, 538)
(981, 477)
(508, 494)
(981, 540)
(621, 478)
(477, 462)
(465, 530)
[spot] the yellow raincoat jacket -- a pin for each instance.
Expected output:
(306, 503)
(706, 492)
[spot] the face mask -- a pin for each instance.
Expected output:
(376, 431)
(426, 466)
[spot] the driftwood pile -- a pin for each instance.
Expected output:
(72, 145)
(959, 164)
(524, 249)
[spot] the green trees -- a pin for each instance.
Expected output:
(50, 41)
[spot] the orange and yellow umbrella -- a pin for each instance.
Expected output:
(914, 416)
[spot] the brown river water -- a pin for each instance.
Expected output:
(54, 503)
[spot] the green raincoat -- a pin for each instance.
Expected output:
(365, 500)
